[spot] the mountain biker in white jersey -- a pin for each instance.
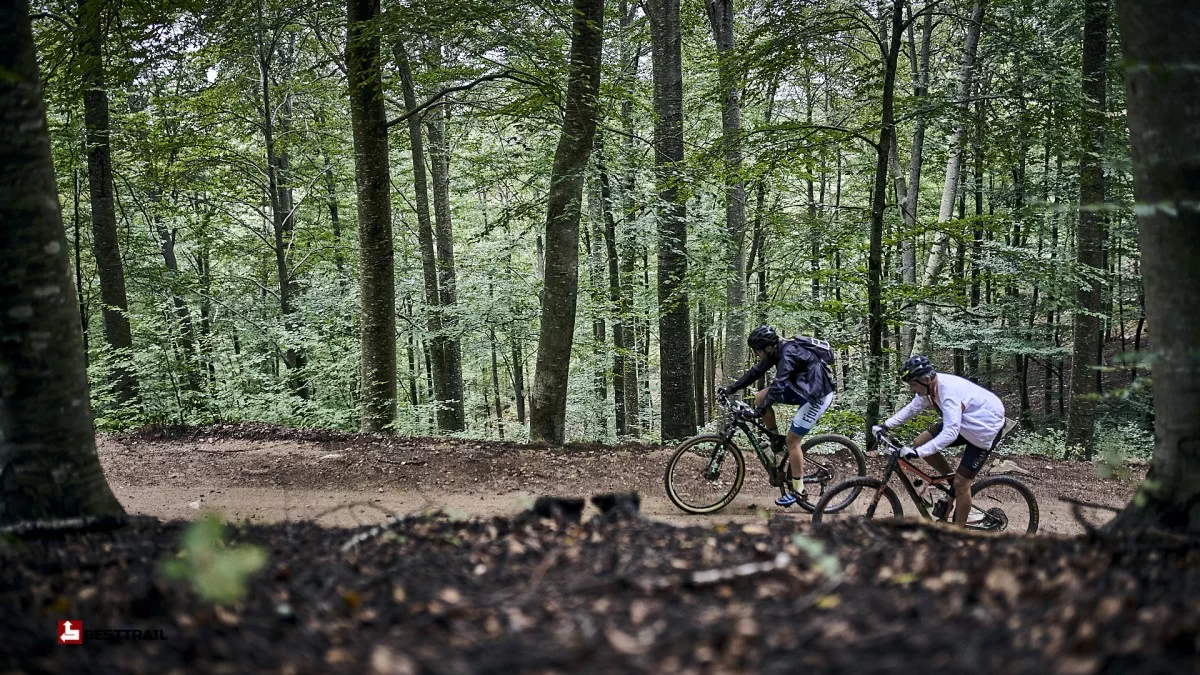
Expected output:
(801, 378)
(971, 416)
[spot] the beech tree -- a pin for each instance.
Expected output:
(1162, 82)
(547, 414)
(48, 464)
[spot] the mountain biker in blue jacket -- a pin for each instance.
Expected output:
(801, 378)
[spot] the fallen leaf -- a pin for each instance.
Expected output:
(623, 642)
(828, 602)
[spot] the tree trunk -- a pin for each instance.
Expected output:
(187, 334)
(48, 464)
(720, 16)
(83, 312)
(439, 166)
(1081, 415)
(496, 386)
(1161, 82)
(629, 244)
(105, 246)
(372, 176)
(875, 318)
(614, 289)
(436, 352)
(594, 244)
(953, 169)
(548, 410)
(674, 323)
(280, 198)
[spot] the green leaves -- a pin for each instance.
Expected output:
(215, 570)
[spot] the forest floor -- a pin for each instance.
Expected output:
(611, 592)
(263, 473)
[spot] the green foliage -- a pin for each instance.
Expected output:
(216, 571)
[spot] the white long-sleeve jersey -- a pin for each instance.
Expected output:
(967, 409)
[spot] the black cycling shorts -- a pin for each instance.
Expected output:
(973, 457)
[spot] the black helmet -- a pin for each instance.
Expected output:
(762, 337)
(915, 367)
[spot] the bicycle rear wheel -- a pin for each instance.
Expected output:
(862, 498)
(704, 474)
(1003, 504)
(828, 459)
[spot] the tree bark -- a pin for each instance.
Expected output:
(875, 317)
(436, 351)
(1161, 84)
(614, 290)
(372, 176)
(439, 165)
(953, 169)
(548, 409)
(1081, 411)
(48, 464)
(720, 16)
(105, 245)
(674, 323)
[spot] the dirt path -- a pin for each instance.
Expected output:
(267, 474)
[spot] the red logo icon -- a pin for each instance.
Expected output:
(70, 632)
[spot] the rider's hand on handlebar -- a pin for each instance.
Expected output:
(753, 413)
(878, 430)
(907, 452)
(723, 392)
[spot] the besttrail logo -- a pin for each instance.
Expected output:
(71, 632)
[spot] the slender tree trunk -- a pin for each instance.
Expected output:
(372, 176)
(953, 168)
(435, 352)
(105, 245)
(614, 289)
(547, 420)
(518, 375)
(183, 315)
(1081, 416)
(720, 16)
(439, 166)
(335, 221)
(413, 398)
(496, 386)
(674, 323)
(1161, 83)
(594, 244)
(875, 318)
(629, 246)
(48, 464)
(700, 357)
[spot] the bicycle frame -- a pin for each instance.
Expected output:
(901, 467)
(767, 459)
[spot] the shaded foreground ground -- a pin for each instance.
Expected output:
(264, 473)
(614, 594)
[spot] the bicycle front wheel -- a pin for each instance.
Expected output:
(705, 474)
(1003, 504)
(861, 498)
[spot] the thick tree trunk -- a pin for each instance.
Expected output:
(674, 323)
(436, 352)
(439, 166)
(1081, 415)
(548, 409)
(372, 176)
(953, 169)
(1161, 85)
(720, 16)
(105, 246)
(875, 318)
(48, 464)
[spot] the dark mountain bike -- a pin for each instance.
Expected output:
(706, 472)
(998, 503)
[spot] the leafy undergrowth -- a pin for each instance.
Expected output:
(614, 594)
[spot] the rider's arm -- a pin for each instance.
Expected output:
(907, 412)
(951, 425)
(756, 371)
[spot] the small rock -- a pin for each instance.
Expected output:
(194, 505)
(387, 661)
(1009, 466)
(332, 455)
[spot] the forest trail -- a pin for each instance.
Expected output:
(262, 473)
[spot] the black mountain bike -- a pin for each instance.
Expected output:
(707, 471)
(998, 503)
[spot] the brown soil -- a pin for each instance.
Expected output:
(263, 473)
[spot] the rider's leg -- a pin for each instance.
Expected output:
(941, 465)
(768, 417)
(803, 422)
(972, 461)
